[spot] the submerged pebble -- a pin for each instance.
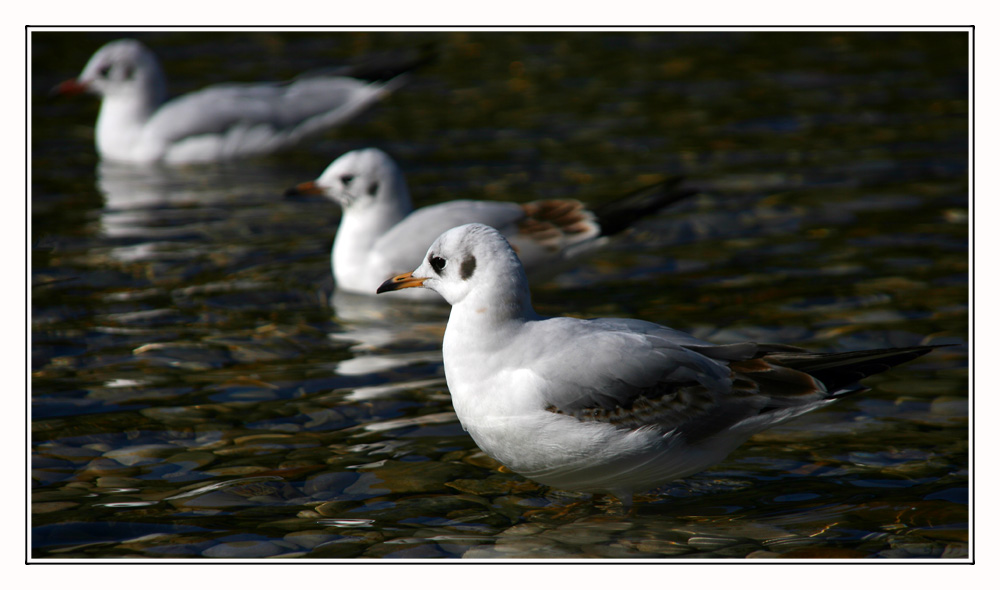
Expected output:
(244, 549)
(140, 454)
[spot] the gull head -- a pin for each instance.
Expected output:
(471, 265)
(361, 180)
(122, 68)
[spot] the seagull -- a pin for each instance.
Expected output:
(380, 233)
(611, 406)
(139, 125)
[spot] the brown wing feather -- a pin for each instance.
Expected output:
(783, 385)
(547, 221)
(689, 408)
(773, 378)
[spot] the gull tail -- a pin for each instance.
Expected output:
(840, 372)
(619, 215)
(385, 68)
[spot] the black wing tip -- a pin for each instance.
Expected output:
(620, 214)
(841, 372)
(386, 68)
(904, 354)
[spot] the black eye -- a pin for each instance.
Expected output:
(346, 179)
(373, 188)
(104, 71)
(437, 263)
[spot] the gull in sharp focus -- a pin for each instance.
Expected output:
(608, 405)
(138, 124)
(381, 235)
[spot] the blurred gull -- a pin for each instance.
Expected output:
(381, 235)
(608, 405)
(137, 123)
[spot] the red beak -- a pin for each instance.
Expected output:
(305, 188)
(70, 87)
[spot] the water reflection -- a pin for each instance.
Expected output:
(384, 335)
(155, 205)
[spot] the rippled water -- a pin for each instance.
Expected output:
(200, 390)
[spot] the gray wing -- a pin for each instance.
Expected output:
(403, 247)
(635, 374)
(274, 115)
(541, 232)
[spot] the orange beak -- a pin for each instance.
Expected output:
(403, 281)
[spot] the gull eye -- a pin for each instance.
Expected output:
(104, 71)
(346, 179)
(437, 263)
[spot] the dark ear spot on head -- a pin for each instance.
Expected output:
(373, 188)
(468, 267)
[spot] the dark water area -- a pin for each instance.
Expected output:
(199, 389)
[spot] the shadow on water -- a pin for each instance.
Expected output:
(200, 389)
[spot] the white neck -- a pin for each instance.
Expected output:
(352, 255)
(121, 121)
(470, 342)
(488, 317)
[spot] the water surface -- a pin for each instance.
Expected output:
(200, 390)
